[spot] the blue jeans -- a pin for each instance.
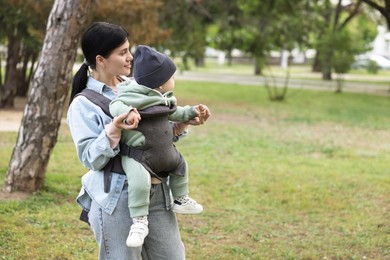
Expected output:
(111, 231)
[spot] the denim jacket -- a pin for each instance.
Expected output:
(86, 122)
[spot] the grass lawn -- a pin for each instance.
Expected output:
(307, 178)
(294, 71)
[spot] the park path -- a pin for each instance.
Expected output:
(10, 118)
(371, 85)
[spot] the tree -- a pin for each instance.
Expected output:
(229, 21)
(24, 26)
(187, 21)
(335, 22)
(269, 24)
(384, 9)
(42, 115)
(24, 30)
(139, 17)
(343, 55)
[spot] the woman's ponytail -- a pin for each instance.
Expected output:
(79, 81)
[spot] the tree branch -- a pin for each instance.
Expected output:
(352, 14)
(337, 15)
(374, 5)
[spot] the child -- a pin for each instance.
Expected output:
(151, 154)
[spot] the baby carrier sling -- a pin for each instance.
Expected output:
(115, 163)
(158, 155)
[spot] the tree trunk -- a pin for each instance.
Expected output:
(49, 88)
(185, 62)
(327, 67)
(339, 85)
(317, 66)
(229, 57)
(24, 78)
(383, 9)
(257, 66)
(199, 61)
(31, 72)
(8, 91)
(1, 74)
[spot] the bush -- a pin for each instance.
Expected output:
(372, 67)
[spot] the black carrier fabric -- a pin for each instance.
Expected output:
(159, 155)
(160, 160)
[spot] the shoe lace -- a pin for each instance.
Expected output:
(185, 200)
(137, 228)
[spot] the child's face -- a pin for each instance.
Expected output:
(167, 86)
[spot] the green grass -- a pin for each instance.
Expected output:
(295, 71)
(308, 178)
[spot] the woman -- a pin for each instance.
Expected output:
(96, 136)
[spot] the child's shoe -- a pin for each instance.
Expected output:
(186, 205)
(138, 231)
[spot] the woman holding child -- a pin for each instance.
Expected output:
(104, 196)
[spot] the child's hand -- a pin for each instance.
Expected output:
(127, 121)
(202, 114)
(133, 118)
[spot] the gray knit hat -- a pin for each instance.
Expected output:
(152, 68)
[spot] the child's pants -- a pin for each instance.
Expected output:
(139, 186)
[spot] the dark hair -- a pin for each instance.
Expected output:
(100, 38)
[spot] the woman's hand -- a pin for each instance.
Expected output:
(127, 121)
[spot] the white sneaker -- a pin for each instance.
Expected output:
(186, 205)
(138, 231)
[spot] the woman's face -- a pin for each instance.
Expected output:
(119, 61)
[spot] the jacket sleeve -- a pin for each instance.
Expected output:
(183, 114)
(119, 106)
(87, 122)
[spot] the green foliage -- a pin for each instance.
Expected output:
(228, 23)
(372, 67)
(364, 31)
(343, 51)
(187, 21)
(23, 30)
(342, 34)
(351, 41)
(302, 179)
(25, 19)
(262, 26)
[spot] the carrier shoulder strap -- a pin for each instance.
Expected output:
(114, 165)
(98, 99)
